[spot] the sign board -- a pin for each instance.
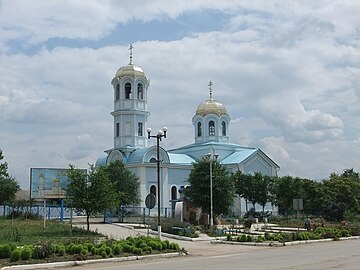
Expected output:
(298, 204)
(48, 183)
(150, 201)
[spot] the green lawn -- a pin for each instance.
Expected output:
(24, 232)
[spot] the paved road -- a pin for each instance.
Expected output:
(203, 255)
(344, 255)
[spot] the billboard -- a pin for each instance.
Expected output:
(48, 183)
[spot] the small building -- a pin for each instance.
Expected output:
(211, 123)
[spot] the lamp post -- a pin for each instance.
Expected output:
(212, 157)
(161, 134)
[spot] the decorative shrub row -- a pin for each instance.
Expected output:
(319, 233)
(138, 246)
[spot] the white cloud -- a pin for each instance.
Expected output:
(288, 74)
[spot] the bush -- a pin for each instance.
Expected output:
(242, 238)
(15, 255)
(42, 251)
(25, 254)
(61, 251)
(260, 239)
(108, 250)
(174, 246)
(5, 251)
(117, 249)
(137, 251)
(76, 249)
(228, 237)
(249, 238)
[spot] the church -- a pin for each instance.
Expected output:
(211, 123)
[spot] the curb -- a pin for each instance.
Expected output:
(278, 244)
(76, 263)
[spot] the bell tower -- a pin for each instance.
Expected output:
(130, 106)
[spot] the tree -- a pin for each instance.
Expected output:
(341, 193)
(244, 186)
(8, 184)
(284, 190)
(253, 188)
(91, 192)
(199, 190)
(126, 183)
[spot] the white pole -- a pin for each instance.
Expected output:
(211, 193)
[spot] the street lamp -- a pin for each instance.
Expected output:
(212, 157)
(161, 134)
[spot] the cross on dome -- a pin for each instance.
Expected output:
(210, 84)
(131, 53)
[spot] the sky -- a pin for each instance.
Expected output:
(288, 73)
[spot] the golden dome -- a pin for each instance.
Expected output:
(211, 107)
(130, 70)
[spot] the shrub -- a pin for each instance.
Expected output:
(267, 236)
(242, 238)
(84, 252)
(228, 237)
(128, 248)
(117, 249)
(260, 239)
(25, 254)
(89, 246)
(174, 246)
(42, 251)
(137, 251)
(15, 255)
(61, 251)
(108, 250)
(12, 245)
(149, 249)
(5, 251)
(249, 238)
(103, 254)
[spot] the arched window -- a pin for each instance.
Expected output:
(152, 160)
(223, 128)
(117, 92)
(140, 91)
(211, 128)
(127, 90)
(199, 133)
(153, 190)
(173, 193)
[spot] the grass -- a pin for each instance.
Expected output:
(24, 232)
(76, 243)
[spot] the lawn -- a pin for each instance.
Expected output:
(25, 232)
(25, 241)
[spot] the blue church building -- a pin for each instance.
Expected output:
(211, 123)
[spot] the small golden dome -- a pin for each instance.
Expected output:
(130, 70)
(211, 107)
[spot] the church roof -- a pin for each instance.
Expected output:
(211, 107)
(180, 159)
(238, 156)
(130, 70)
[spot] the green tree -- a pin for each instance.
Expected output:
(244, 186)
(199, 190)
(341, 193)
(126, 184)
(8, 184)
(284, 190)
(253, 188)
(91, 192)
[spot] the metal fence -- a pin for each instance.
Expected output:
(127, 214)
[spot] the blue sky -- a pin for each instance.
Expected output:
(287, 72)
